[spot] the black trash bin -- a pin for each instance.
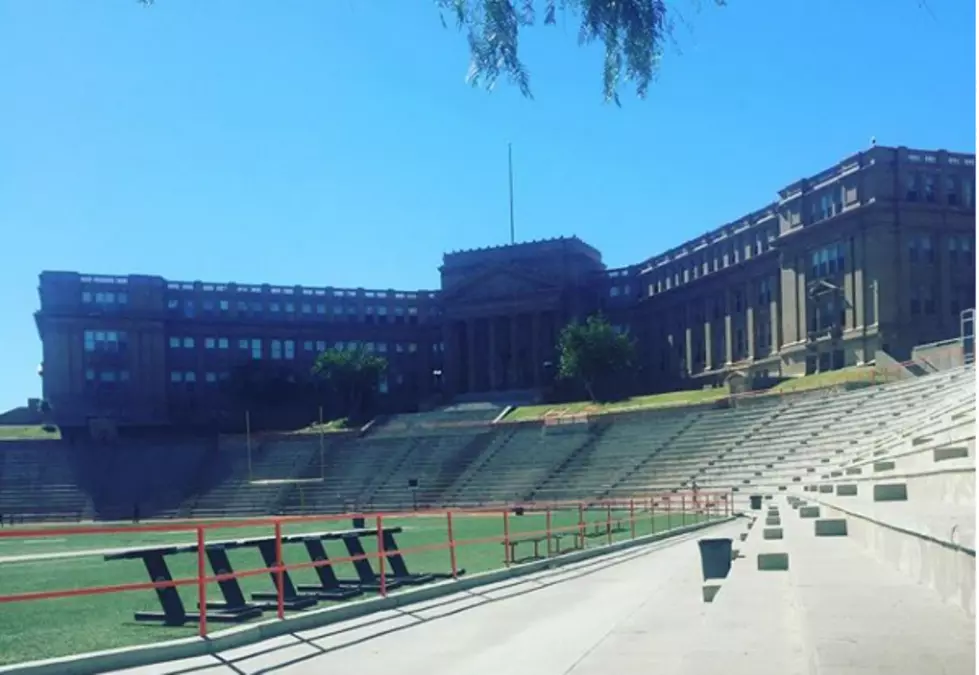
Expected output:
(756, 502)
(715, 558)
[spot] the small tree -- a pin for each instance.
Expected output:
(351, 375)
(594, 354)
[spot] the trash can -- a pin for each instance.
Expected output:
(715, 558)
(359, 523)
(756, 502)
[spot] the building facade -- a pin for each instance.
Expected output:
(877, 252)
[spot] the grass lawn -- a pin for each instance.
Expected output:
(17, 432)
(48, 628)
(690, 397)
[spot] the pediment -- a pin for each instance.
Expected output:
(501, 282)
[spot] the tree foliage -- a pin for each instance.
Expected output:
(351, 375)
(633, 34)
(595, 355)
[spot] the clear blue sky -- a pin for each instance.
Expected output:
(334, 142)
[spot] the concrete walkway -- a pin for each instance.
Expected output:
(836, 612)
(618, 614)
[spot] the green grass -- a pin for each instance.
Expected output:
(38, 629)
(19, 432)
(690, 397)
(666, 400)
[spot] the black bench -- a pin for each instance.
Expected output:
(536, 540)
(235, 608)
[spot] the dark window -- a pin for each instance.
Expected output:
(910, 189)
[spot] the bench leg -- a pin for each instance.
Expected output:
(174, 613)
(234, 599)
(291, 600)
(329, 587)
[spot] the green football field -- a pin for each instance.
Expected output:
(47, 628)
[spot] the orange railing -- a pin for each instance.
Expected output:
(639, 513)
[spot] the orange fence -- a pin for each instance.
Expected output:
(542, 524)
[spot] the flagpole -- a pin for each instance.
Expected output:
(509, 147)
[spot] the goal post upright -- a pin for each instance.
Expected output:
(322, 443)
(248, 443)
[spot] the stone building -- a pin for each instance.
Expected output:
(876, 252)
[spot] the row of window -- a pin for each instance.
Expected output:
(921, 248)
(827, 261)
(372, 314)
(720, 255)
(109, 341)
(189, 377)
(289, 290)
(104, 298)
(93, 375)
(922, 187)
(286, 349)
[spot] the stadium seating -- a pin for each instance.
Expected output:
(37, 483)
(460, 456)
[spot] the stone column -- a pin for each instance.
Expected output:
(775, 306)
(535, 348)
(708, 346)
(688, 338)
(493, 352)
(750, 295)
(728, 346)
(471, 353)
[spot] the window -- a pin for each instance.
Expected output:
(927, 250)
(124, 376)
(929, 188)
(190, 376)
(827, 261)
(613, 291)
(274, 307)
(951, 195)
(910, 188)
(307, 308)
(210, 377)
(176, 376)
(928, 303)
(89, 341)
(223, 305)
(256, 349)
(290, 307)
(86, 297)
(243, 343)
(412, 347)
(207, 305)
(382, 347)
(290, 349)
(308, 345)
(320, 308)
(321, 345)
(188, 343)
(209, 343)
(276, 350)
(174, 343)
(222, 343)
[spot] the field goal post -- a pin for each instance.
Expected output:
(259, 481)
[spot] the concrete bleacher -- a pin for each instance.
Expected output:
(617, 452)
(831, 609)
(37, 483)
